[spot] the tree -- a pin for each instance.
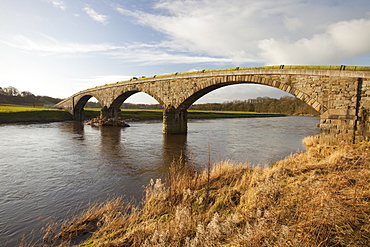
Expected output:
(11, 91)
(27, 94)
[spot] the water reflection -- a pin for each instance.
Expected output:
(111, 147)
(119, 146)
(75, 128)
(174, 147)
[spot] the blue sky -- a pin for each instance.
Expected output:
(60, 47)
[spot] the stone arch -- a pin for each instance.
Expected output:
(117, 102)
(79, 104)
(114, 108)
(232, 80)
(82, 101)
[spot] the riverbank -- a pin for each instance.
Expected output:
(16, 114)
(316, 198)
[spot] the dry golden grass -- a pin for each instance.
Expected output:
(317, 198)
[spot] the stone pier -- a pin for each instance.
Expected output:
(175, 121)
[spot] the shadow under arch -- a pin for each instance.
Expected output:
(317, 106)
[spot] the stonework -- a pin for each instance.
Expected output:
(341, 97)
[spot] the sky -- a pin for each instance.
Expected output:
(59, 47)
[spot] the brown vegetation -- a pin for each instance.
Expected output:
(317, 198)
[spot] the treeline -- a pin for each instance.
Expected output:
(285, 105)
(12, 96)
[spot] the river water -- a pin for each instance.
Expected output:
(57, 169)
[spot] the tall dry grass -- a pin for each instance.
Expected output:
(317, 198)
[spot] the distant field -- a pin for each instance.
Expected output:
(9, 109)
(29, 114)
(11, 114)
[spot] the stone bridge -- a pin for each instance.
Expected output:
(341, 94)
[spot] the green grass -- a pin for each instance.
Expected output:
(11, 114)
(13, 109)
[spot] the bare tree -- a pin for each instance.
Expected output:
(27, 94)
(12, 91)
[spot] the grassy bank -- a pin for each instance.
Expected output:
(12, 114)
(317, 198)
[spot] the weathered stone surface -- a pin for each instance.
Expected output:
(342, 97)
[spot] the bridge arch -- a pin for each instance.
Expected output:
(114, 108)
(79, 104)
(119, 100)
(275, 84)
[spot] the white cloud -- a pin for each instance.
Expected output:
(292, 24)
(352, 36)
(103, 19)
(341, 41)
(58, 4)
(264, 31)
(217, 28)
(199, 28)
(144, 54)
(103, 79)
(51, 46)
(150, 54)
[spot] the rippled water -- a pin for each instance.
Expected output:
(57, 169)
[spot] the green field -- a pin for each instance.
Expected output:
(11, 114)
(14, 109)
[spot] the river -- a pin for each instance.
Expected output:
(52, 171)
